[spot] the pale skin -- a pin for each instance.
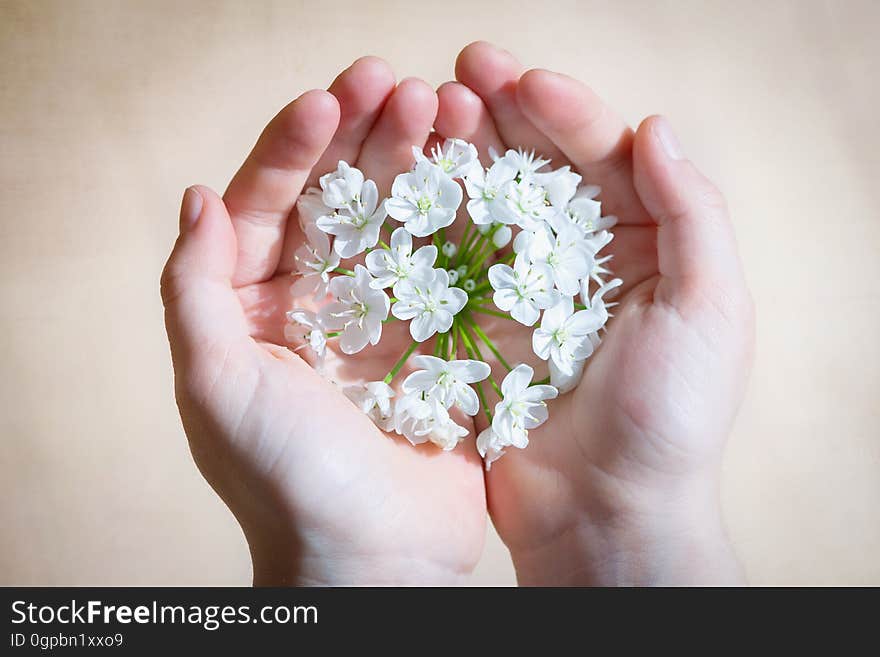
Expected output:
(620, 486)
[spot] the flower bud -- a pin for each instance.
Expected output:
(449, 249)
(502, 236)
(470, 285)
(453, 276)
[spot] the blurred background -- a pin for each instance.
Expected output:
(108, 110)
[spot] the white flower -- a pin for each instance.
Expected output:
(413, 417)
(524, 205)
(566, 382)
(595, 242)
(358, 311)
(599, 270)
(342, 187)
(445, 433)
(521, 408)
(525, 163)
(455, 157)
(314, 261)
(559, 185)
(585, 212)
(374, 399)
(563, 337)
(399, 262)
(566, 253)
(310, 206)
(596, 304)
(430, 305)
(357, 224)
(448, 381)
(485, 189)
(422, 419)
(523, 290)
(425, 199)
(490, 446)
(306, 326)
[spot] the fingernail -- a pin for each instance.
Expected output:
(668, 140)
(190, 208)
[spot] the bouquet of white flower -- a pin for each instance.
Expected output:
(441, 286)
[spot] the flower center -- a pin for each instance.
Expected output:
(424, 204)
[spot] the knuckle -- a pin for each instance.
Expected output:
(170, 284)
(707, 193)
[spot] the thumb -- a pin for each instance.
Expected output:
(695, 240)
(202, 313)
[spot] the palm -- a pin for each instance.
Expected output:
(418, 499)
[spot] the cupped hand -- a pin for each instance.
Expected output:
(323, 496)
(620, 484)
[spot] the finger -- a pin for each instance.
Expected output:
(202, 313)
(493, 74)
(695, 241)
(406, 121)
(593, 137)
(462, 114)
(263, 192)
(362, 90)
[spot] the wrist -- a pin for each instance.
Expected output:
(290, 562)
(672, 535)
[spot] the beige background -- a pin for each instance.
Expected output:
(109, 109)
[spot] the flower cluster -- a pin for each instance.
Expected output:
(527, 250)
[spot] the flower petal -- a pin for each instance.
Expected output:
(517, 380)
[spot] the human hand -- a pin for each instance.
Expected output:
(322, 495)
(620, 484)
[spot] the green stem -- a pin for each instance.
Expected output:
(399, 364)
(480, 393)
(489, 311)
(438, 242)
(342, 270)
(482, 254)
(439, 345)
(543, 382)
(482, 287)
(384, 246)
(464, 240)
(476, 242)
(487, 341)
(472, 343)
